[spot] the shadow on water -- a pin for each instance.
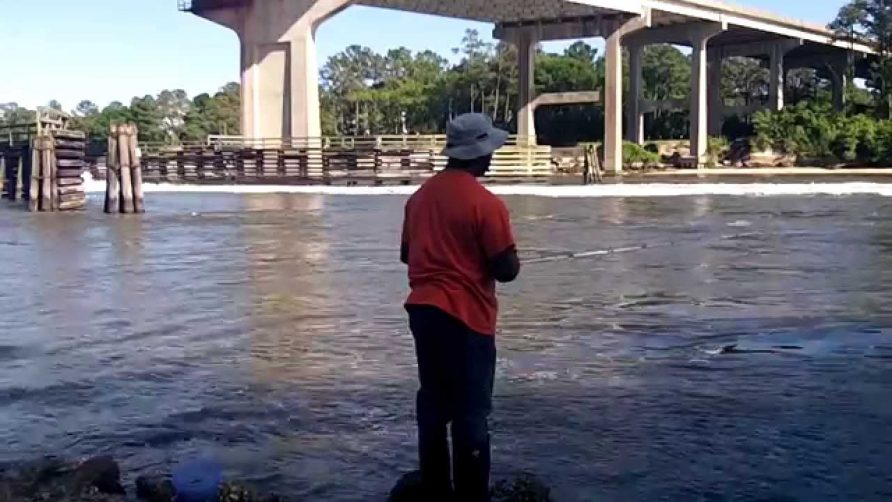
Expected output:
(267, 330)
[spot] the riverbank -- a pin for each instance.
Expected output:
(651, 187)
(675, 182)
(767, 172)
(99, 479)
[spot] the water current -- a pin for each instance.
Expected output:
(267, 330)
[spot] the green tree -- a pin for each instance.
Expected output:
(871, 20)
(173, 105)
(12, 113)
(474, 72)
(567, 124)
(86, 108)
(345, 76)
(665, 74)
(744, 80)
(147, 116)
(217, 114)
(582, 51)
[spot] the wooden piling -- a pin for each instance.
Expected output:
(19, 182)
(50, 155)
(11, 176)
(124, 179)
(112, 186)
(133, 143)
(34, 188)
(125, 165)
(46, 173)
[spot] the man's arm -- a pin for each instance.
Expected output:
(505, 266)
(497, 240)
(404, 239)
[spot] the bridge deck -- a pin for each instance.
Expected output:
(744, 24)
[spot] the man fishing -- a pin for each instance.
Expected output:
(457, 241)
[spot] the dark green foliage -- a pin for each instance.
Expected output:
(635, 155)
(716, 150)
(871, 20)
(366, 93)
(168, 118)
(817, 134)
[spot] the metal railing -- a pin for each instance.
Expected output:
(380, 141)
(200, 5)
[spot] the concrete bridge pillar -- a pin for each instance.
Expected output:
(778, 76)
(526, 117)
(699, 93)
(634, 116)
(839, 79)
(613, 90)
(715, 104)
(280, 83)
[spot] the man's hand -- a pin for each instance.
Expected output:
(505, 267)
(404, 253)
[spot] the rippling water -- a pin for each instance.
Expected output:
(267, 330)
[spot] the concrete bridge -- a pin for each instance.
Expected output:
(280, 96)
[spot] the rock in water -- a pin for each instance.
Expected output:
(407, 489)
(155, 489)
(50, 479)
(524, 488)
(232, 492)
(101, 473)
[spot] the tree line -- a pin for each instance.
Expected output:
(363, 92)
(170, 117)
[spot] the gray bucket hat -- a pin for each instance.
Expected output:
(472, 135)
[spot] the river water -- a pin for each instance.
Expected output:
(266, 330)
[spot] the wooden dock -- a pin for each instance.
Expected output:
(42, 163)
(348, 160)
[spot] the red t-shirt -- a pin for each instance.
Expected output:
(453, 227)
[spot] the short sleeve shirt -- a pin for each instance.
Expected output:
(453, 227)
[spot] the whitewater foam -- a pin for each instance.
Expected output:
(570, 191)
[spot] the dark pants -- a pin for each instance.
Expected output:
(456, 367)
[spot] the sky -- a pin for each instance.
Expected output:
(108, 50)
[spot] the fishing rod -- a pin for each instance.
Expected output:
(622, 250)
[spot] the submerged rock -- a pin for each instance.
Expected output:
(233, 492)
(161, 489)
(98, 479)
(51, 479)
(101, 474)
(155, 489)
(407, 489)
(525, 487)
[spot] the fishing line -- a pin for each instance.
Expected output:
(596, 253)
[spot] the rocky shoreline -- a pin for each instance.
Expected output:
(98, 479)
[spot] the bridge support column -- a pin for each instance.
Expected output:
(778, 76)
(714, 91)
(699, 92)
(613, 91)
(839, 79)
(280, 83)
(634, 117)
(526, 117)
